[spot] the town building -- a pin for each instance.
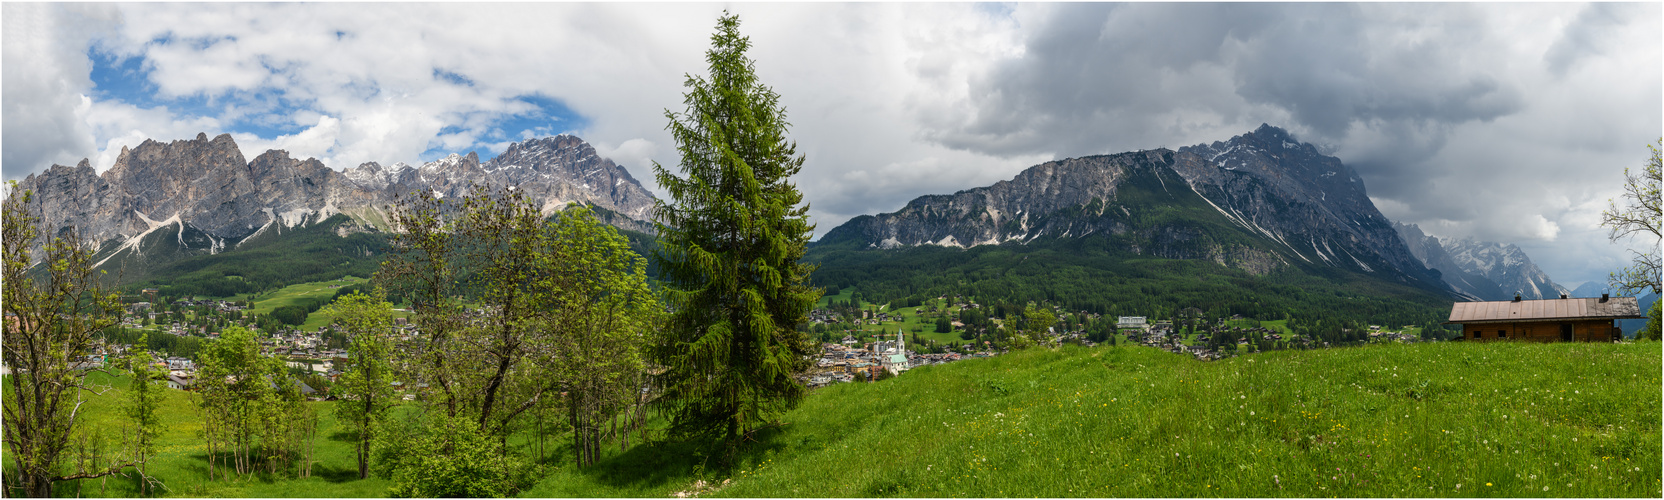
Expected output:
(1550, 320)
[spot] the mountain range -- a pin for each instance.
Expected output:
(1260, 202)
(209, 199)
(1285, 204)
(1482, 269)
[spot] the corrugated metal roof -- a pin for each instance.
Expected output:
(1544, 310)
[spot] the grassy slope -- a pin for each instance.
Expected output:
(1380, 421)
(1391, 420)
(182, 466)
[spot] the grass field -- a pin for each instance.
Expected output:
(1420, 420)
(1380, 421)
(919, 327)
(297, 294)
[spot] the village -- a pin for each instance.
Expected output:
(875, 341)
(863, 354)
(180, 326)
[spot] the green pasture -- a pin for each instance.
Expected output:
(1422, 420)
(298, 294)
(919, 327)
(1390, 420)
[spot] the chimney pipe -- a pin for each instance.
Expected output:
(1603, 297)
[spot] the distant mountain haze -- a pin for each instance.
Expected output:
(1482, 269)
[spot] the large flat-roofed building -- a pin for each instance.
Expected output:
(1552, 320)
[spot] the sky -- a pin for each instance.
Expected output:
(1503, 122)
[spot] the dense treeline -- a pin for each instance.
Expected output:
(1088, 274)
(302, 254)
(184, 346)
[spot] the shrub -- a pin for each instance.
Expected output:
(448, 457)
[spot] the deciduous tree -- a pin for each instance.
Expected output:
(143, 398)
(557, 311)
(594, 295)
(253, 411)
(52, 314)
(365, 386)
(1640, 216)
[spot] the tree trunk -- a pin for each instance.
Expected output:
(38, 485)
(363, 463)
(577, 428)
(364, 440)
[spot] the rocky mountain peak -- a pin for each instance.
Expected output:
(1303, 206)
(208, 188)
(1482, 269)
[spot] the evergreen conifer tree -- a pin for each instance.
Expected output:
(732, 237)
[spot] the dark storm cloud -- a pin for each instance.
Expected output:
(1504, 122)
(1095, 72)
(1093, 76)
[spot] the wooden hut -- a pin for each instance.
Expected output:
(1552, 320)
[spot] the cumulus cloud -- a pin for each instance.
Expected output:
(1505, 123)
(43, 80)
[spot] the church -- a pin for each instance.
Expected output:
(893, 355)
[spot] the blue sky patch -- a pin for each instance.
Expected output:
(267, 110)
(548, 117)
(452, 77)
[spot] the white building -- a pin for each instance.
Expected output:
(894, 357)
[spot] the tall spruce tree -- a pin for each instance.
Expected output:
(732, 238)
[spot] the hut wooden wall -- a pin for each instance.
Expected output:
(1542, 331)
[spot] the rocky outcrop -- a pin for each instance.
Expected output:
(1310, 203)
(1019, 209)
(206, 187)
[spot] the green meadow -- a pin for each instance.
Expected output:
(301, 294)
(920, 327)
(1420, 420)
